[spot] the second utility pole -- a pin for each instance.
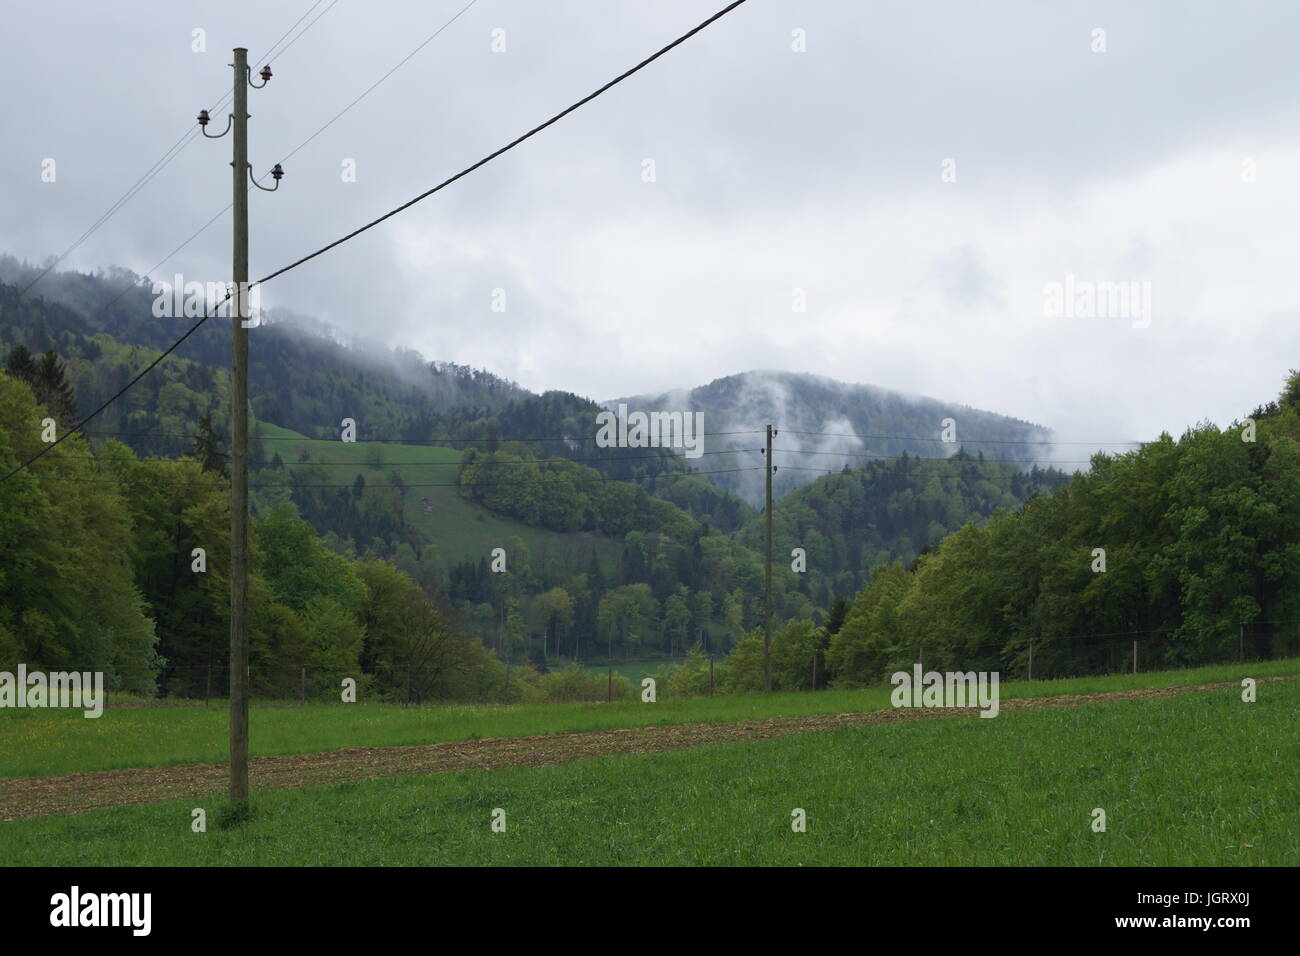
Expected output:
(239, 447)
(767, 577)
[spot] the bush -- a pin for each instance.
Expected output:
(572, 684)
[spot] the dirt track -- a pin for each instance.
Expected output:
(22, 797)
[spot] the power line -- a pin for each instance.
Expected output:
(207, 225)
(387, 441)
(1018, 476)
(172, 152)
(372, 86)
(424, 195)
(881, 456)
(437, 484)
(119, 393)
(975, 441)
(506, 148)
(404, 464)
(121, 201)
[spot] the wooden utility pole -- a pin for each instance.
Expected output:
(240, 313)
(767, 575)
(239, 446)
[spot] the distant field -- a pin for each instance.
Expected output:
(633, 671)
(1197, 779)
(458, 528)
(50, 742)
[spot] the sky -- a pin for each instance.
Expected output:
(896, 194)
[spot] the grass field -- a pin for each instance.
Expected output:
(458, 528)
(50, 742)
(633, 671)
(1196, 779)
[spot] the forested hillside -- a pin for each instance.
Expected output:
(824, 425)
(117, 562)
(302, 377)
(481, 551)
(1189, 547)
(857, 519)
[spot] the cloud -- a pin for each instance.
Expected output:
(776, 172)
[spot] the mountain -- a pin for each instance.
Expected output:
(306, 376)
(824, 426)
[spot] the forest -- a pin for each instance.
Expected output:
(116, 548)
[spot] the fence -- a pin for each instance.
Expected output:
(1039, 659)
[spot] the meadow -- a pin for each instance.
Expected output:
(1195, 779)
(50, 742)
(462, 529)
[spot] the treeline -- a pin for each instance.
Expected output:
(120, 564)
(1190, 546)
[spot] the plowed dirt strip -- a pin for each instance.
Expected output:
(22, 797)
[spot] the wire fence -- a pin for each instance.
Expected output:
(428, 681)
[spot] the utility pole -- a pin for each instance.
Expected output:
(239, 448)
(767, 574)
(239, 314)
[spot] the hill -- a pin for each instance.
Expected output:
(825, 425)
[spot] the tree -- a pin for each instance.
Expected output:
(52, 389)
(677, 614)
(21, 365)
(207, 447)
(556, 610)
(68, 600)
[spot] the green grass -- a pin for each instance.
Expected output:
(1198, 779)
(457, 527)
(50, 742)
(634, 670)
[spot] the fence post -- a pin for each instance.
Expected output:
(207, 692)
(1135, 655)
(303, 681)
(1031, 660)
(710, 675)
(609, 693)
(1242, 633)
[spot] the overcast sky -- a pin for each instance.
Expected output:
(1170, 160)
